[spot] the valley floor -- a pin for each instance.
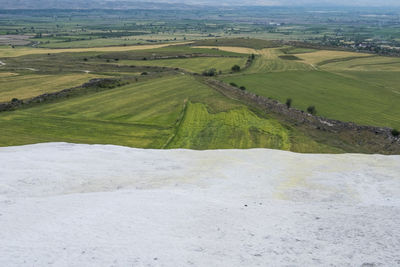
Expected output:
(94, 205)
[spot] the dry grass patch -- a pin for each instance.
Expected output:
(323, 55)
(27, 86)
(240, 50)
(16, 52)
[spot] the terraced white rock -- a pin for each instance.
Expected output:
(94, 205)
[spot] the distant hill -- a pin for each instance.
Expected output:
(180, 4)
(88, 4)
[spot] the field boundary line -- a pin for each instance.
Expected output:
(177, 124)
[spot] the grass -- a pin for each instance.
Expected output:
(26, 86)
(270, 60)
(239, 42)
(297, 50)
(335, 96)
(230, 129)
(167, 112)
(373, 63)
(198, 64)
(315, 58)
(232, 49)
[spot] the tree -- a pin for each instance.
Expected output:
(289, 102)
(242, 88)
(312, 110)
(395, 132)
(236, 68)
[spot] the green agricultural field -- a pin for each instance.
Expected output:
(168, 112)
(239, 42)
(234, 128)
(346, 98)
(269, 60)
(373, 63)
(347, 86)
(30, 85)
(198, 64)
(321, 57)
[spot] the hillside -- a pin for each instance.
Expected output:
(170, 96)
(65, 204)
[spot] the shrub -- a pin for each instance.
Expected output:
(210, 72)
(85, 59)
(14, 100)
(252, 56)
(242, 88)
(289, 102)
(144, 73)
(312, 110)
(233, 84)
(236, 68)
(395, 132)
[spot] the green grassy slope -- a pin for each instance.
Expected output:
(342, 85)
(168, 112)
(372, 63)
(335, 96)
(234, 128)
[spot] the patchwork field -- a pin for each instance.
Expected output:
(7, 51)
(347, 86)
(159, 113)
(163, 108)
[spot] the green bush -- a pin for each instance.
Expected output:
(233, 84)
(312, 110)
(236, 68)
(242, 88)
(210, 72)
(395, 132)
(289, 102)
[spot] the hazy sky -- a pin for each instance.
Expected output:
(292, 2)
(304, 3)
